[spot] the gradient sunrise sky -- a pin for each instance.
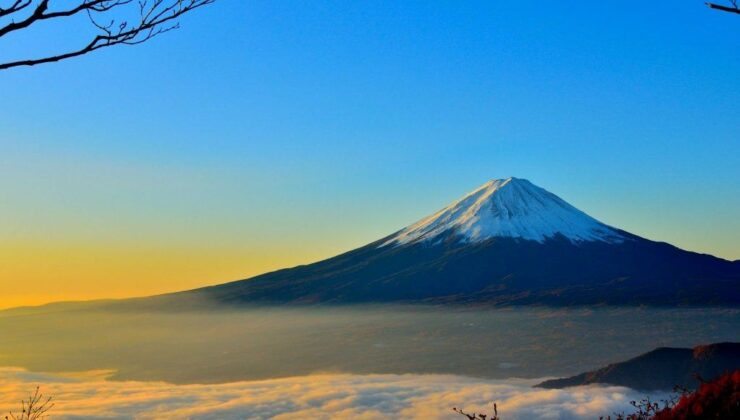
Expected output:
(268, 134)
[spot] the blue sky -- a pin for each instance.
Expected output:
(283, 132)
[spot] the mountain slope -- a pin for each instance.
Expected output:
(507, 242)
(662, 368)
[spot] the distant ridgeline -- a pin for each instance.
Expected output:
(662, 369)
(508, 242)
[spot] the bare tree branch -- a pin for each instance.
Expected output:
(732, 9)
(15, 7)
(34, 408)
(155, 17)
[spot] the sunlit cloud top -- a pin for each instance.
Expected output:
(321, 396)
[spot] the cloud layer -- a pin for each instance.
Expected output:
(314, 396)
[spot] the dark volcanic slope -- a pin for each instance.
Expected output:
(662, 368)
(498, 271)
(508, 242)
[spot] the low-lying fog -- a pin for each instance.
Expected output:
(259, 343)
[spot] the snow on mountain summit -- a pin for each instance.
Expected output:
(510, 207)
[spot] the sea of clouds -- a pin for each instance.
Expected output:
(321, 396)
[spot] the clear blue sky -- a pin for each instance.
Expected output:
(282, 132)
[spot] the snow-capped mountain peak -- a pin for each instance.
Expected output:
(510, 207)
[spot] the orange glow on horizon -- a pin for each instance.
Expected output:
(35, 274)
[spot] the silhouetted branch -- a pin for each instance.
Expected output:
(34, 408)
(155, 17)
(17, 5)
(732, 9)
(478, 416)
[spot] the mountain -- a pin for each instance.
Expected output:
(510, 208)
(662, 369)
(508, 242)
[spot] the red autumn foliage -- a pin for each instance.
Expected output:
(718, 399)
